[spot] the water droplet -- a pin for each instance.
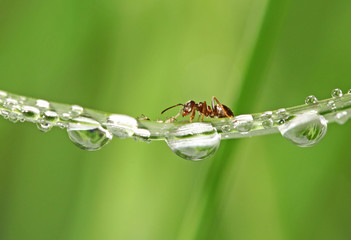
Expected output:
(243, 123)
(268, 123)
(76, 111)
(281, 113)
(14, 116)
(225, 128)
(5, 113)
(42, 104)
(266, 115)
(11, 104)
(194, 141)
(65, 116)
(61, 125)
(311, 100)
(50, 116)
(44, 126)
(88, 134)
(341, 117)
(331, 105)
(30, 112)
(142, 135)
(349, 91)
(336, 93)
(121, 126)
(305, 130)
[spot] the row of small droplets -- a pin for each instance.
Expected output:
(268, 119)
(340, 117)
(17, 109)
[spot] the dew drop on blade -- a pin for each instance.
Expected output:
(30, 112)
(88, 134)
(194, 141)
(305, 130)
(311, 100)
(44, 127)
(243, 123)
(336, 93)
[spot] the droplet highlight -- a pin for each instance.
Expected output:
(121, 126)
(305, 130)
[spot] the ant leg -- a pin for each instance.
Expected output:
(192, 115)
(204, 108)
(220, 104)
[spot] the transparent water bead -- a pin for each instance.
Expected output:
(30, 112)
(194, 141)
(243, 123)
(121, 126)
(50, 116)
(88, 134)
(331, 104)
(76, 111)
(336, 93)
(311, 100)
(305, 130)
(341, 117)
(44, 126)
(42, 104)
(11, 104)
(266, 118)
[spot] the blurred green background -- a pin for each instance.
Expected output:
(139, 57)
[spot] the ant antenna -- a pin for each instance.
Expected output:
(171, 107)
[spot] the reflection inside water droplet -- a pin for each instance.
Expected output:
(194, 141)
(43, 126)
(88, 134)
(305, 130)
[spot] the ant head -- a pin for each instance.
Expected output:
(188, 107)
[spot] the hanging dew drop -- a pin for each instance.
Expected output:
(44, 126)
(88, 134)
(305, 130)
(194, 141)
(336, 93)
(311, 100)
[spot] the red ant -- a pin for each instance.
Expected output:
(190, 107)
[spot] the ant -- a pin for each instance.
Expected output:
(190, 107)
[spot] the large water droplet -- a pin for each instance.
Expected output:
(121, 126)
(311, 100)
(88, 134)
(305, 130)
(194, 141)
(243, 123)
(336, 93)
